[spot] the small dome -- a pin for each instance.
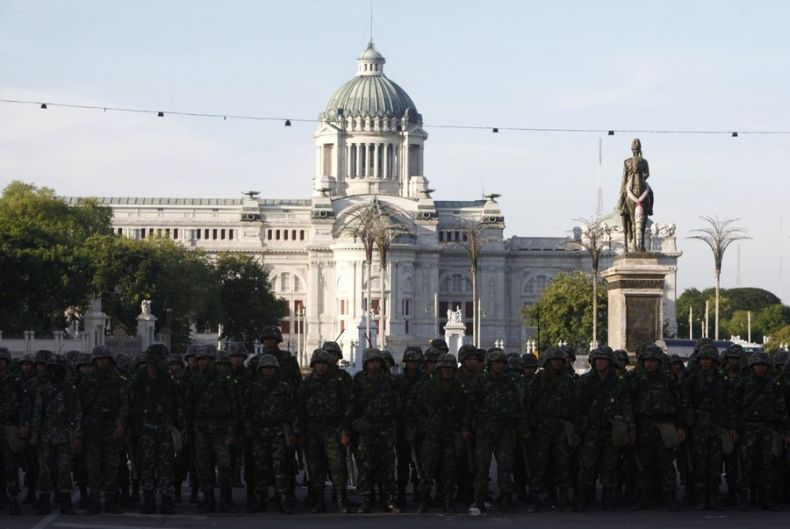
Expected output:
(371, 93)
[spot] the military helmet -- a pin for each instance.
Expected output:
(653, 352)
(514, 363)
(431, 355)
(495, 354)
(413, 353)
(72, 356)
(333, 348)
(440, 344)
(388, 359)
(26, 358)
(236, 348)
(621, 355)
(144, 358)
(272, 331)
(569, 352)
(252, 362)
(733, 351)
(603, 351)
(446, 360)
(5, 354)
(176, 359)
(100, 351)
(320, 355)
(207, 350)
(530, 360)
(268, 360)
(222, 357)
(467, 350)
(58, 360)
(43, 356)
(553, 353)
(708, 351)
(371, 353)
(158, 350)
(779, 358)
(122, 360)
(192, 351)
(701, 342)
(759, 358)
(84, 359)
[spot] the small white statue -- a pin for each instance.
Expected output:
(145, 307)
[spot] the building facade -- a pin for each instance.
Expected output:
(370, 145)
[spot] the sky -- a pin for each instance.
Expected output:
(668, 65)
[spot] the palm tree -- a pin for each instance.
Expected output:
(719, 235)
(472, 242)
(386, 230)
(592, 240)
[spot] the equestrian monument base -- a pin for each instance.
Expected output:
(635, 284)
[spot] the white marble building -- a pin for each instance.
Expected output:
(370, 142)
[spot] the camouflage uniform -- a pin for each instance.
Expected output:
(438, 408)
(241, 452)
(56, 424)
(497, 415)
(468, 380)
(321, 403)
(656, 402)
(761, 413)
(709, 415)
(600, 401)
(733, 368)
(372, 411)
(104, 395)
(408, 438)
(10, 419)
(155, 410)
(212, 418)
(552, 412)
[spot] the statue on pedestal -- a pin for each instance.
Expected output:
(636, 198)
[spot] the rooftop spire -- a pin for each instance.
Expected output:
(371, 62)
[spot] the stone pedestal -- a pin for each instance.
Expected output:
(636, 309)
(146, 326)
(94, 322)
(454, 333)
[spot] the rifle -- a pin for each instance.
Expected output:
(352, 482)
(415, 462)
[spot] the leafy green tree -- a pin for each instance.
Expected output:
(45, 266)
(564, 311)
(773, 318)
(778, 337)
(247, 303)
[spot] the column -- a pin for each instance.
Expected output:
(376, 158)
(385, 165)
(359, 157)
(348, 161)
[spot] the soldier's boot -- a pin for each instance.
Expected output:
(702, 500)
(534, 501)
(364, 505)
(342, 503)
(743, 499)
(506, 503)
(13, 505)
(401, 495)
(112, 503)
(177, 493)
(564, 501)
(672, 502)
(319, 502)
(713, 500)
(480, 503)
(581, 500)
(93, 505)
(166, 506)
(642, 501)
(209, 502)
(448, 506)
(225, 503)
(193, 494)
(84, 497)
(424, 505)
(766, 500)
(609, 499)
(135, 497)
(149, 503)
(392, 505)
(65, 503)
(43, 505)
(286, 504)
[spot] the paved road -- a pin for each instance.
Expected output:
(188, 518)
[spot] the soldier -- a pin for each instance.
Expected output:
(429, 359)
(29, 381)
(468, 376)
(622, 362)
(11, 417)
(336, 354)
(56, 424)
(440, 345)
(709, 406)
(175, 363)
(155, 415)
(389, 362)
(606, 424)
(212, 418)
(104, 395)
(186, 460)
(656, 401)
(241, 452)
(761, 416)
(271, 337)
(371, 413)
(497, 416)
(270, 425)
(530, 363)
(438, 407)
(552, 413)
(408, 442)
(676, 368)
(321, 402)
(733, 360)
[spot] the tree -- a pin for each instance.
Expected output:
(45, 265)
(246, 301)
(719, 235)
(592, 240)
(772, 318)
(778, 337)
(386, 231)
(564, 311)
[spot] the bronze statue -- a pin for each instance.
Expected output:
(636, 197)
